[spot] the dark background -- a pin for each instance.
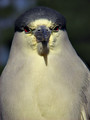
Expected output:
(77, 14)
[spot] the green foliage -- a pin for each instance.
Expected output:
(5, 12)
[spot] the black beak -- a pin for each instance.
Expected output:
(42, 34)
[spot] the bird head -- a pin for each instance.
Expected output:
(40, 29)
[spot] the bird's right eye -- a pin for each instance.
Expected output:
(27, 29)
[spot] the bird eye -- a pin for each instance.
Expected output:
(56, 28)
(27, 29)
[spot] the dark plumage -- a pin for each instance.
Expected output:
(37, 13)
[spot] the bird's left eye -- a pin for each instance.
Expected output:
(27, 29)
(56, 28)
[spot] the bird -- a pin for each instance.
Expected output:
(44, 78)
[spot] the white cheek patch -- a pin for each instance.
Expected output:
(53, 39)
(57, 40)
(31, 41)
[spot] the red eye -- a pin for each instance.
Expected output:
(56, 28)
(26, 29)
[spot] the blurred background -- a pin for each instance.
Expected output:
(77, 14)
